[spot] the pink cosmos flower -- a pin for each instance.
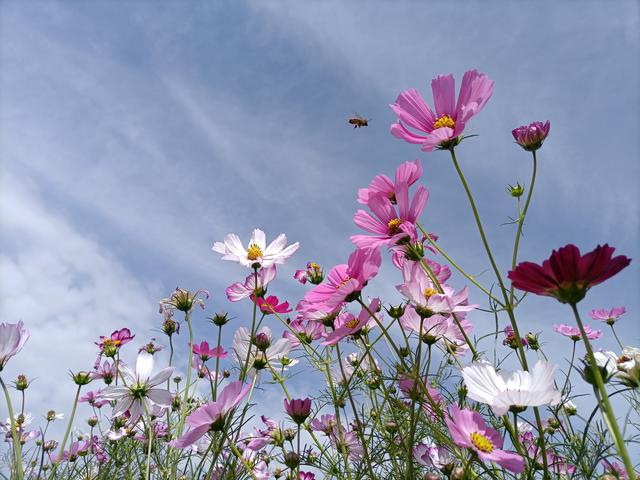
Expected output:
(510, 338)
(298, 409)
(436, 130)
(270, 305)
(303, 332)
(615, 468)
(94, 399)
(349, 443)
(241, 290)
(433, 327)
(264, 437)
(574, 332)
(608, 316)
(326, 423)
(75, 450)
(530, 137)
(110, 345)
(205, 353)
(433, 456)
(347, 324)
(106, 371)
(414, 391)
(151, 348)
(307, 476)
(388, 225)
(212, 417)
(257, 253)
(567, 275)
(469, 430)
(202, 370)
(345, 281)
(407, 173)
(13, 336)
(313, 273)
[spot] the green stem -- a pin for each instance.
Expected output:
(607, 410)
(68, 431)
(215, 386)
(185, 397)
(243, 373)
(17, 450)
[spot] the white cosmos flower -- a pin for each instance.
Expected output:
(257, 252)
(502, 390)
(275, 355)
(137, 393)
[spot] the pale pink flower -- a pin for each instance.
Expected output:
(275, 355)
(251, 285)
(608, 316)
(349, 443)
(12, 338)
(94, 399)
(303, 332)
(574, 332)
(347, 324)
(257, 253)
(387, 224)
(407, 173)
(449, 120)
(265, 437)
(433, 456)
(212, 417)
(469, 430)
(326, 423)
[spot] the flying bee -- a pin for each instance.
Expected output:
(358, 122)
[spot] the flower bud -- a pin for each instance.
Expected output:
(298, 409)
(170, 326)
(515, 191)
(396, 311)
(220, 319)
(92, 421)
(532, 340)
(81, 378)
(289, 434)
(262, 341)
(291, 460)
(51, 415)
(391, 426)
(530, 137)
(22, 383)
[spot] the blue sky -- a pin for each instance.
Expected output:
(133, 135)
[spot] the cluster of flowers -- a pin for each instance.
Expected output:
(416, 398)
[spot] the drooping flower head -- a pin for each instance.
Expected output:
(567, 275)
(388, 224)
(212, 417)
(345, 281)
(530, 137)
(442, 128)
(252, 285)
(608, 316)
(258, 253)
(574, 332)
(12, 338)
(469, 430)
(184, 300)
(407, 173)
(504, 390)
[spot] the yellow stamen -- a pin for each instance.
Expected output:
(481, 442)
(444, 121)
(353, 323)
(314, 265)
(343, 283)
(393, 226)
(254, 252)
(429, 292)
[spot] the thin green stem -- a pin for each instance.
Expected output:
(215, 386)
(67, 432)
(17, 450)
(605, 403)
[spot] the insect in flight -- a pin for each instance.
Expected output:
(358, 122)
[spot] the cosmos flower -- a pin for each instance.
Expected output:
(503, 390)
(407, 173)
(431, 455)
(608, 316)
(607, 363)
(271, 305)
(313, 273)
(205, 353)
(184, 300)
(530, 137)
(567, 275)
(349, 443)
(437, 130)
(345, 281)
(212, 416)
(387, 224)
(139, 394)
(252, 285)
(324, 424)
(257, 253)
(94, 398)
(469, 430)
(303, 331)
(275, 354)
(106, 371)
(347, 324)
(12, 338)
(574, 332)
(628, 364)
(298, 409)
(271, 435)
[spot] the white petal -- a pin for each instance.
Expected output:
(259, 238)
(144, 365)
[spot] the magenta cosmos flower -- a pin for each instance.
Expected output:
(212, 417)
(387, 224)
(608, 316)
(567, 275)
(574, 332)
(13, 336)
(407, 172)
(110, 345)
(530, 137)
(469, 430)
(204, 352)
(345, 281)
(271, 304)
(298, 409)
(442, 128)
(348, 324)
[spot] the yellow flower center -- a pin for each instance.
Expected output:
(481, 442)
(444, 121)
(393, 226)
(343, 283)
(254, 252)
(314, 265)
(429, 292)
(353, 323)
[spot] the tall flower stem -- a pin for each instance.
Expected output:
(17, 450)
(185, 397)
(507, 304)
(243, 372)
(67, 432)
(521, 218)
(215, 381)
(607, 410)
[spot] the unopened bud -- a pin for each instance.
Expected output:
(22, 383)
(81, 378)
